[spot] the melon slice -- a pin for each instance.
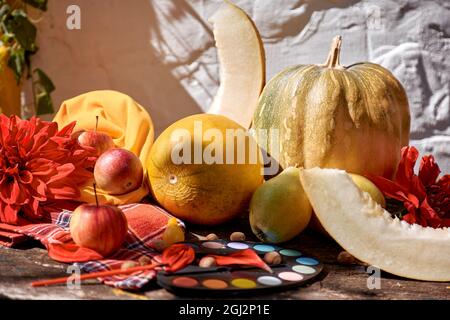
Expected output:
(242, 64)
(368, 232)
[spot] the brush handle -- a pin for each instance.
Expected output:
(93, 275)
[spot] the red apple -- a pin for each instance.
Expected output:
(98, 140)
(118, 171)
(76, 134)
(101, 228)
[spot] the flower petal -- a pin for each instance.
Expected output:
(62, 172)
(390, 188)
(38, 163)
(67, 130)
(429, 171)
(177, 256)
(405, 169)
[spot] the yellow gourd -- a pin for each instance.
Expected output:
(174, 232)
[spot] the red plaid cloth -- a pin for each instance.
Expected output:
(146, 225)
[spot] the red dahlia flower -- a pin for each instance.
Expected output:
(38, 165)
(425, 197)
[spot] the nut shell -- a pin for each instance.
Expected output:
(144, 260)
(345, 258)
(207, 262)
(212, 237)
(272, 258)
(128, 264)
(237, 236)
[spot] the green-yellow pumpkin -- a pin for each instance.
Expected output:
(354, 118)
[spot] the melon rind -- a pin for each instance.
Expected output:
(368, 232)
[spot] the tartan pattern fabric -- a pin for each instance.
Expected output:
(138, 242)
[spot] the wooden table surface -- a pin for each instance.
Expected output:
(18, 267)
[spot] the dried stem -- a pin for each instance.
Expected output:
(95, 193)
(333, 60)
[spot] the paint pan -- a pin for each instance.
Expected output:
(295, 270)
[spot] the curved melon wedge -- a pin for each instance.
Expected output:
(242, 64)
(369, 233)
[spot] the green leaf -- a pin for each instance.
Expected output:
(44, 103)
(7, 38)
(39, 4)
(24, 31)
(16, 62)
(45, 82)
(43, 87)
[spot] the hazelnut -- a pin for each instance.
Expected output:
(144, 260)
(128, 264)
(212, 236)
(346, 258)
(207, 262)
(237, 236)
(272, 258)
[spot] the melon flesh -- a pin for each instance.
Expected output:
(242, 64)
(369, 233)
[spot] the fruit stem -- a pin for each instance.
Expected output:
(334, 55)
(95, 193)
(96, 123)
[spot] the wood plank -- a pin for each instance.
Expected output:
(18, 267)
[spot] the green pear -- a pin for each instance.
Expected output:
(280, 209)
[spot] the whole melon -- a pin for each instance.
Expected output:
(354, 118)
(204, 170)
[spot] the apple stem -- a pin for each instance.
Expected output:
(95, 192)
(96, 123)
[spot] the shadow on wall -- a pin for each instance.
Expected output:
(184, 42)
(178, 103)
(290, 18)
(159, 52)
(115, 49)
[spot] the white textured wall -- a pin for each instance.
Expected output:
(162, 53)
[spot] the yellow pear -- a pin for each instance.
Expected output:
(242, 64)
(368, 186)
(279, 209)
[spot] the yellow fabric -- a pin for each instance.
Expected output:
(124, 120)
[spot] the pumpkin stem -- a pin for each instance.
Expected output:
(335, 52)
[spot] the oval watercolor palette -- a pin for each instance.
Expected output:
(295, 270)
